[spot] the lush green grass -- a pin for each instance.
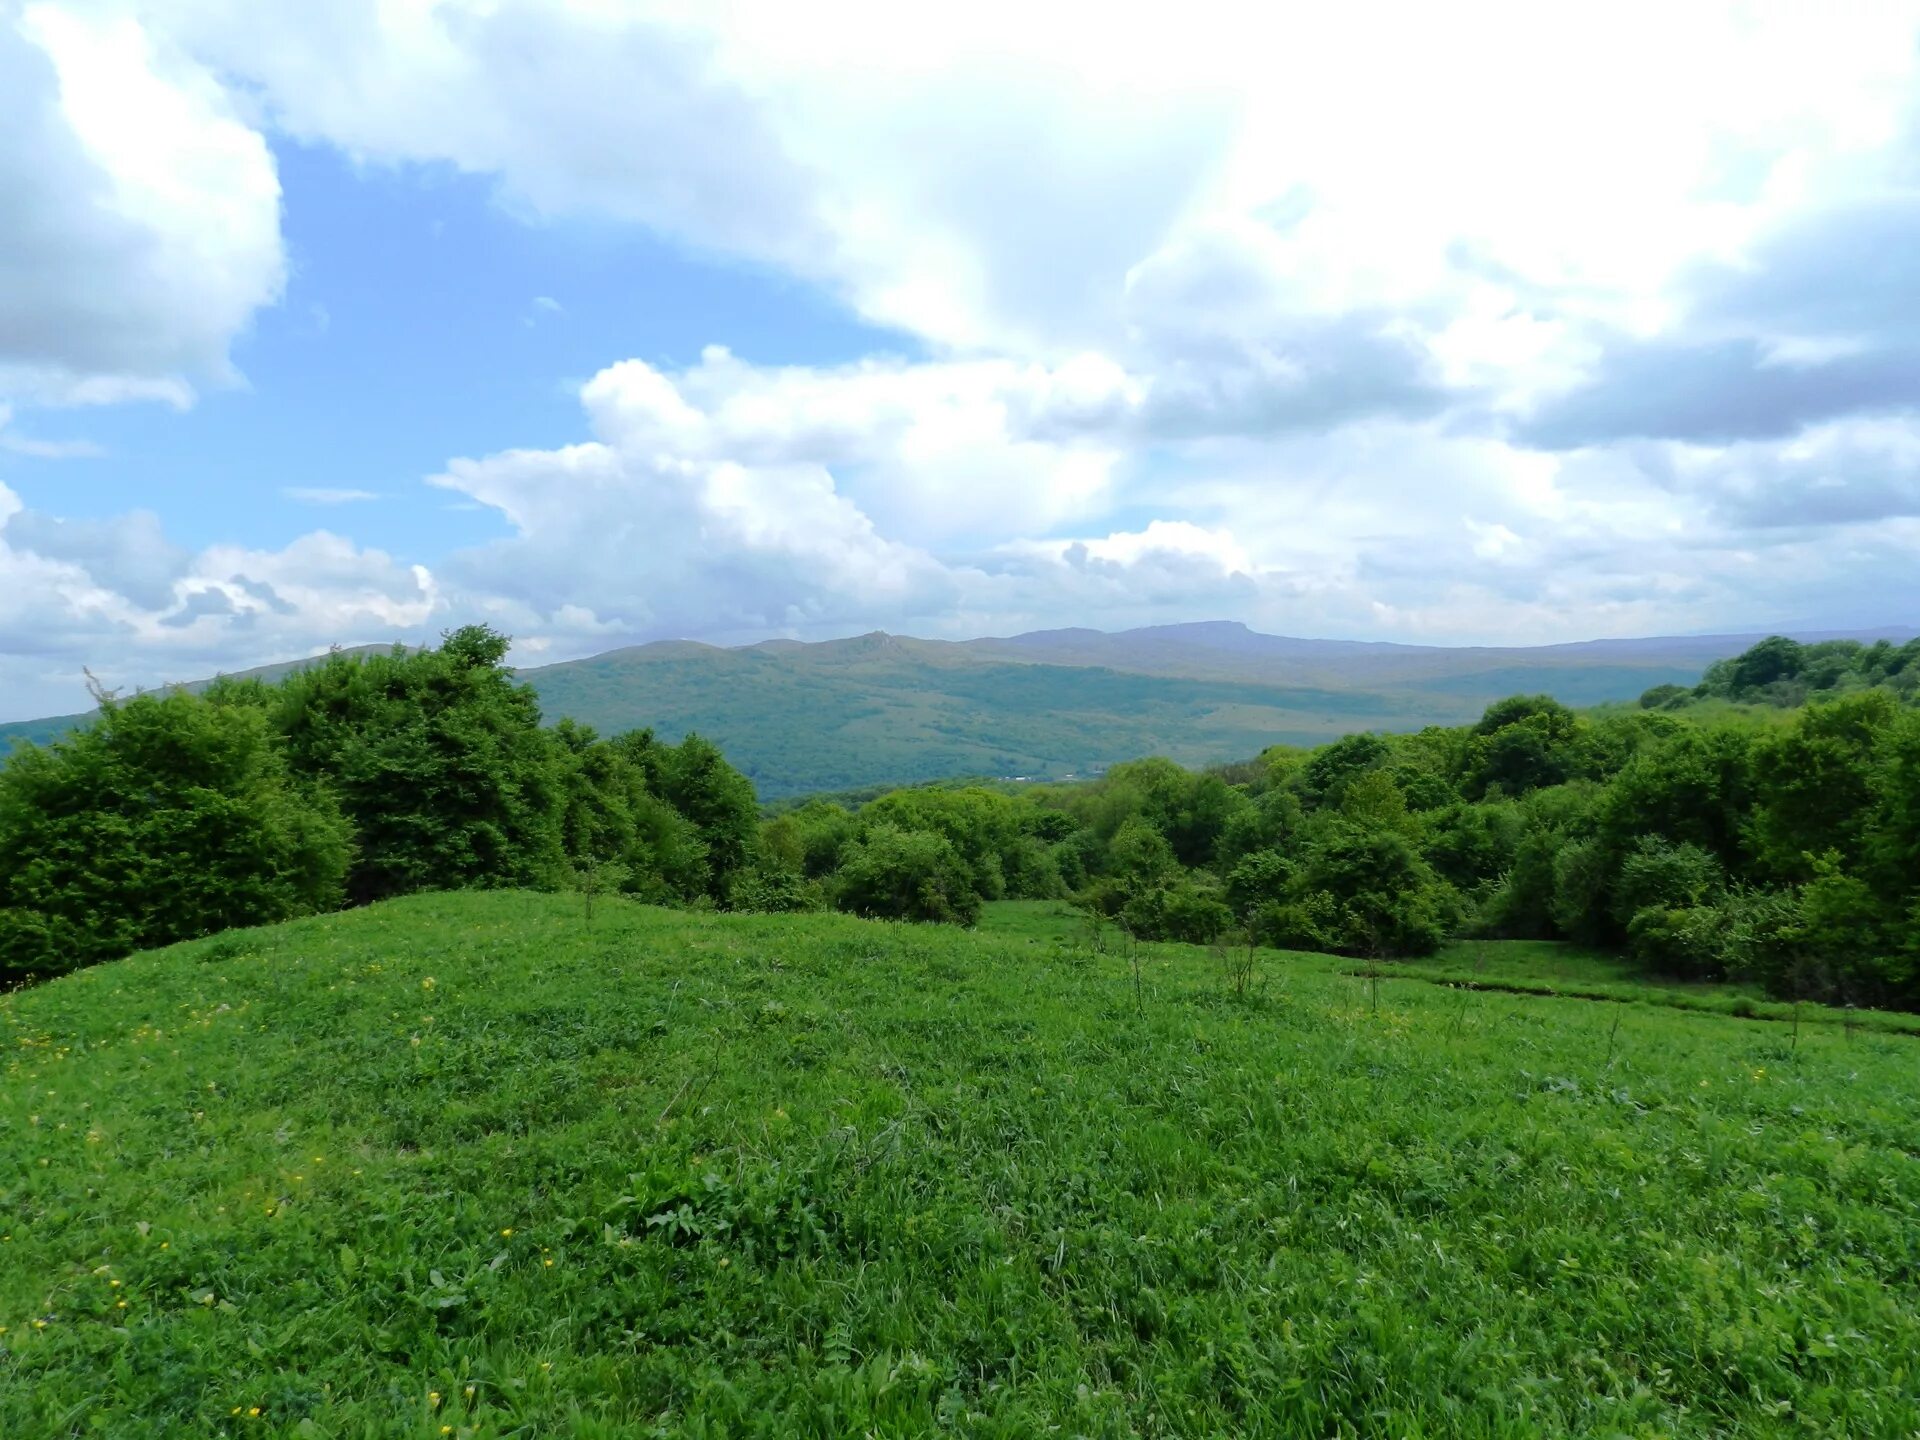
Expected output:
(463, 1165)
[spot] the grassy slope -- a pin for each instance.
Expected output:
(1519, 967)
(460, 1165)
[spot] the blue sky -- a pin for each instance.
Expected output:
(420, 320)
(612, 320)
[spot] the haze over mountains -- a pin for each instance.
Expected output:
(878, 708)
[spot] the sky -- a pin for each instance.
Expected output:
(604, 322)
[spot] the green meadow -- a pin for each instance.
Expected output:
(480, 1164)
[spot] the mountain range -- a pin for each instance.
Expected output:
(881, 709)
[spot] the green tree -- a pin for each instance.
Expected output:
(1815, 783)
(896, 874)
(438, 761)
(984, 828)
(611, 820)
(171, 817)
(696, 780)
(1693, 786)
(1369, 893)
(1181, 912)
(1526, 742)
(1329, 770)
(1773, 659)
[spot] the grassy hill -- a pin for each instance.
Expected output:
(884, 709)
(467, 1165)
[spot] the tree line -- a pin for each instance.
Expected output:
(1784, 672)
(1752, 845)
(359, 778)
(1705, 845)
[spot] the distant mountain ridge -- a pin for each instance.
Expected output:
(803, 716)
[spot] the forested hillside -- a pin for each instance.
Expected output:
(886, 709)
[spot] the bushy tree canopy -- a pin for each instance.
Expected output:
(169, 818)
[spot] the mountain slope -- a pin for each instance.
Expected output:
(810, 721)
(875, 708)
(841, 714)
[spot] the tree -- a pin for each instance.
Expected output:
(898, 874)
(1893, 827)
(1692, 786)
(1814, 783)
(1330, 769)
(171, 817)
(1270, 822)
(1140, 858)
(1523, 743)
(1181, 912)
(610, 821)
(983, 827)
(1468, 845)
(1259, 880)
(438, 761)
(1774, 658)
(1365, 892)
(810, 839)
(696, 780)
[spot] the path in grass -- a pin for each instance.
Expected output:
(462, 1165)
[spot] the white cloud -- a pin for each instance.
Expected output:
(118, 597)
(1484, 323)
(141, 229)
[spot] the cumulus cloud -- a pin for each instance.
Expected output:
(1350, 321)
(119, 597)
(141, 229)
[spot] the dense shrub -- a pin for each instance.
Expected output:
(1366, 892)
(1178, 911)
(438, 761)
(898, 874)
(171, 817)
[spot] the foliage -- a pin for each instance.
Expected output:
(171, 817)
(1784, 672)
(1363, 891)
(716, 799)
(1702, 842)
(438, 761)
(1178, 911)
(897, 874)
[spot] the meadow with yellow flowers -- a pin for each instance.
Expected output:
(476, 1164)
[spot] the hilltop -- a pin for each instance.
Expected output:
(471, 1164)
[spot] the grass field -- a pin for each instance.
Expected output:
(466, 1165)
(1522, 967)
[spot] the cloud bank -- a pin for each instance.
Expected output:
(1380, 321)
